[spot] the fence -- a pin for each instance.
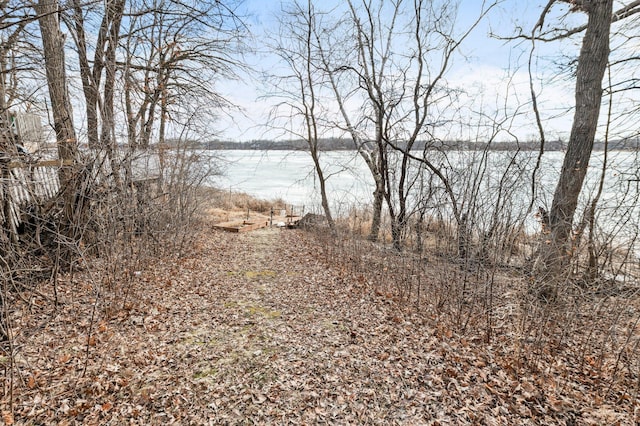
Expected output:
(25, 182)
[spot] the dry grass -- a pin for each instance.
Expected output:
(590, 336)
(232, 201)
(223, 206)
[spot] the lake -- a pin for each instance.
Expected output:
(289, 174)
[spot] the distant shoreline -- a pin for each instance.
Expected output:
(347, 145)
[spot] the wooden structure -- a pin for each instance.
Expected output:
(286, 219)
(18, 129)
(23, 179)
(26, 182)
(242, 225)
(293, 215)
(27, 128)
(22, 184)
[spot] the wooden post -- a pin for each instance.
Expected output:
(9, 232)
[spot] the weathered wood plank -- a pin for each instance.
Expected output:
(241, 226)
(42, 163)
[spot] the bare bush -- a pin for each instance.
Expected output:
(117, 232)
(587, 326)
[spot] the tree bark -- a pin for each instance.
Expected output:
(89, 86)
(323, 189)
(378, 199)
(592, 64)
(113, 19)
(53, 46)
(311, 113)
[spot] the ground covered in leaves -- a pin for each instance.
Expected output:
(257, 328)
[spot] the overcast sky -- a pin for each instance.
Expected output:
(488, 62)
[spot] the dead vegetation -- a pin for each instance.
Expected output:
(286, 326)
(224, 203)
(588, 335)
(155, 317)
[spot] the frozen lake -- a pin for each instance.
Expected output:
(289, 175)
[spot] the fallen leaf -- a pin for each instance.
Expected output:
(7, 417)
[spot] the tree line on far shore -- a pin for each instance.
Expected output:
(345, 144)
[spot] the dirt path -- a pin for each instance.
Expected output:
(254, 328)
(262, 331)
(278, 337)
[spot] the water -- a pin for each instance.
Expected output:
(289, 175)
(492, 181)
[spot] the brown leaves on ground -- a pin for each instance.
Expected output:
(255, 328)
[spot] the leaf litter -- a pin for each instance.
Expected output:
(256, 328)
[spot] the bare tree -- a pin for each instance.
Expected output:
(174, 53)
(297, 48)
(368, 150)
(53, 41)
(421, 99)
(403, 49)
(13, 20)
(98, 76)
(591, 65)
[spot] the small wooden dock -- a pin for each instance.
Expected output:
(252, 220)
(242, 225)
(292, 221)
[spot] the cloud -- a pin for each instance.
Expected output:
(498, 92)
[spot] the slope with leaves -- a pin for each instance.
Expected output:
(257, 328)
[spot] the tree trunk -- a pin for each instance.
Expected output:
(53, 46)
(323, 189)
(113, 19)
(378, 199)
(592, 64)
(88, 84)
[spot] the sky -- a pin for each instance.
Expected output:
(489, 61)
